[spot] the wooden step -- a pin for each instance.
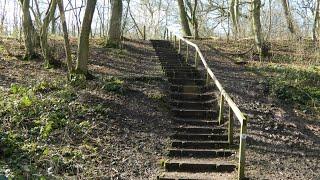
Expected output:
(200, 144)
(189, 81)
(195, 122)
(206, 105)
(195, 136)
(196, 176)
(199, 165)
(199, 129)
(194, 113)
(192, 96)
(190, 88)
(199, 153)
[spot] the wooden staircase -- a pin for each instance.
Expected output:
(199, 145)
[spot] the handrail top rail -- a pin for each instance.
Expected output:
(230, 102)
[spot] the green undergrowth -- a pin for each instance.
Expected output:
(113, 84)
(39, 124)
(295, 86)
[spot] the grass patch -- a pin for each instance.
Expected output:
(35, 120)
(113, 84)
(293, 85)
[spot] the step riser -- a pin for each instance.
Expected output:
(200, 130)
(182, 75)
(199, 154)
(186, 89)
(204, 106)
(195, 123)
(170, 167)
(187, 82)
(215, 137)
(194, 114)
(191, 97)
(199, 145)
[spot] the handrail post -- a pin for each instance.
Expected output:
(179, 46)
(174, 41)
(144, 32)
(196, 59)
(187, 56)
(170, 36)
(230, 127)
(207, 79)
(221, 108)
(243, 137)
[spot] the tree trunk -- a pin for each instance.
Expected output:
(234, 12)
(184, 19)
(65, 37)
(316, 24)
(48, 59)
(288, 16)
(83, 46)
(195, 21)
(256, 24)
(28, 30)
(114, 34)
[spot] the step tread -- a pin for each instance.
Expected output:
(196, 94)
(202, 150)
(193, 110)
(193, 102)
(197, 176)
(209, 161)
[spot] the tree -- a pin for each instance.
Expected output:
(65, 37)
(316, 23)
(30, 37)
(288, 16)
(44, 34)
(256, 24)
(114, 34)
(83, 44)
(234, 12)
(193, 16)
(184, 19)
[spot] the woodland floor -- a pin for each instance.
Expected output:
(113, 127)
(284, 137)
(116, 126)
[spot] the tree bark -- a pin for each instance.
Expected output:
(256, 24)
(83, 45)
(288, 16)
(316, 23)
(28, 30)
(234, 12)
(48, 59)
(184, 19)
(65, 37)
(114, 34)
(194, 20)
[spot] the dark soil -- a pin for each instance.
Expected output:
(282, 142)
(127, 140)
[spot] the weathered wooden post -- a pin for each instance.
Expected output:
(221, 108)
(174, 41)
(144, 32)
(171, 36)
(179, 46)
(187, 56)
(230, 127)
(243, 138)
(196, 59)
(207, 79)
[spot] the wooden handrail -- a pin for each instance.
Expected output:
(230, 102)
(233, 108)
